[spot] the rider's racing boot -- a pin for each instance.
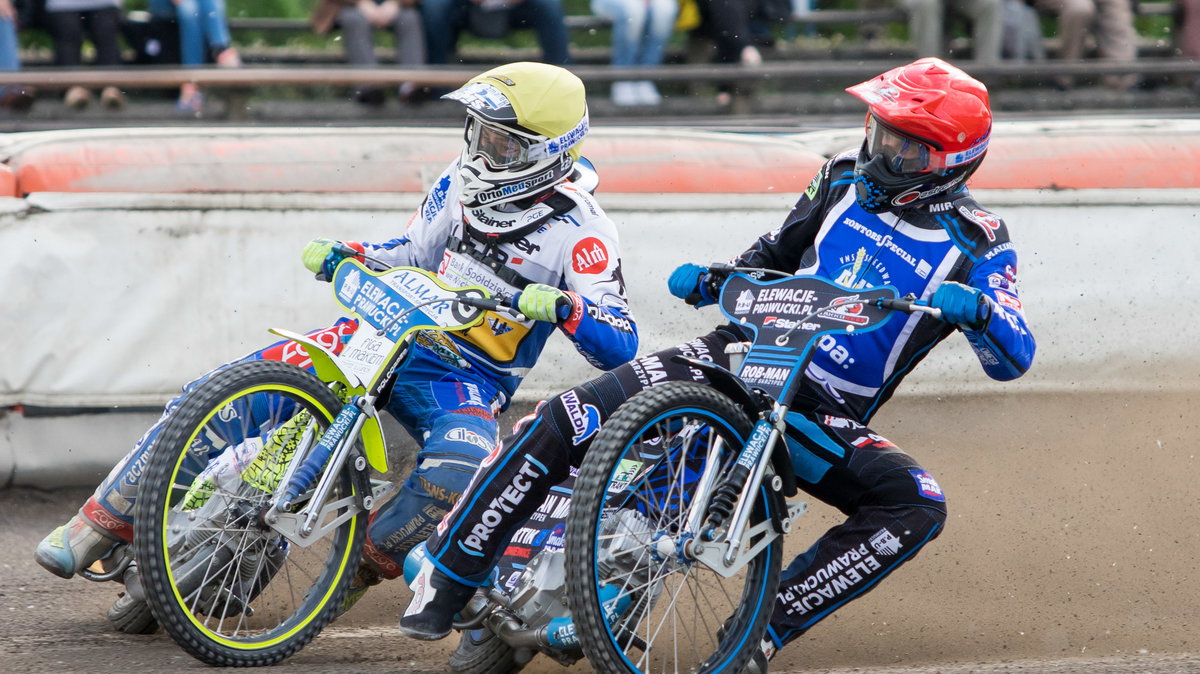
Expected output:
(73, 547)
(436, 598)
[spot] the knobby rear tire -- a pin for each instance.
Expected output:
(678, 614)
(292, 592)
(481, 652)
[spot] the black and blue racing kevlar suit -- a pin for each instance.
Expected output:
(448, 392)
(893, 505)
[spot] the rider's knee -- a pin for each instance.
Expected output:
(912, 490)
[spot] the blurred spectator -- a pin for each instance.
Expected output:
(1188, 23)
(727, 24)
(445, 19)
(66, 21)
(640, 31)
(203, 37)
(1022, 40)
(1111, 24)
(14, 96)
(926, 26)
(358, 20)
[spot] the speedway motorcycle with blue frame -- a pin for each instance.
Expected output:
(674, 538)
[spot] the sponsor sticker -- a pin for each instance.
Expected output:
(928, 487)
(988, 222)
(589, 256)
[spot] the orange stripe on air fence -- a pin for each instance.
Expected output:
(1097, 161)
(401, 161)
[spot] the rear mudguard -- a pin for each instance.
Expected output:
(731, 385)
(328, 368)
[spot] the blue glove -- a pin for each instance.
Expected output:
(543, 303)
(321, 258)
(688, 283)
(962, 305)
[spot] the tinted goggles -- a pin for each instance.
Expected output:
(903, 155)
(501, 148)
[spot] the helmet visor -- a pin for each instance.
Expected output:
(498, 146)
(902, 154)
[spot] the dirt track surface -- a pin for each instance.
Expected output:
(1070, 549)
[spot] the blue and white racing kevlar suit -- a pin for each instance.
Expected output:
(893, 505)
(448, 392)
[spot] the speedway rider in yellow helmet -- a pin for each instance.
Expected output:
(513, 213)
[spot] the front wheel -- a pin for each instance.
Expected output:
(229, 589)
(646, 602)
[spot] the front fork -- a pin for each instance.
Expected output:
(325, 464)
(720, 524)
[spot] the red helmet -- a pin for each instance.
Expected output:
(927, 130)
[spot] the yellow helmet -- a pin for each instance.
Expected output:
(525, 123)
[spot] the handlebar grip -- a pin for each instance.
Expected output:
(908, 305)
(562, 308)
(485, 303)
(342, 249)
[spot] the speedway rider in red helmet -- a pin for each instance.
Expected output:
(894, 212)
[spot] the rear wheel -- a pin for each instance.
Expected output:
(646, 602)
(481, 652)
(228, 588)
(131, 616)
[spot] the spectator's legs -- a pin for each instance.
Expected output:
(191, 33)
(661, 24)
(547, 19)
(9, 59)
(628, 25)
(104, 27)
(987, 27)
(214, 25)
(925, 25)
(659, 27)
(67, 30)
(728, 23)
(1074, 19)
(357, 40)
(410, 48)
(1116, 39)
(1189, 29)
(443, 20)
(410, 37)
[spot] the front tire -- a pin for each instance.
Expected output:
(644, 604)
(228, 589)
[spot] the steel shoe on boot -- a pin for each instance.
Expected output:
(73, 547)
(364, 579)
(436, 598)
(762, 655)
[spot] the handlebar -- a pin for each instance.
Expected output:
(908, 304)
(562, 309)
